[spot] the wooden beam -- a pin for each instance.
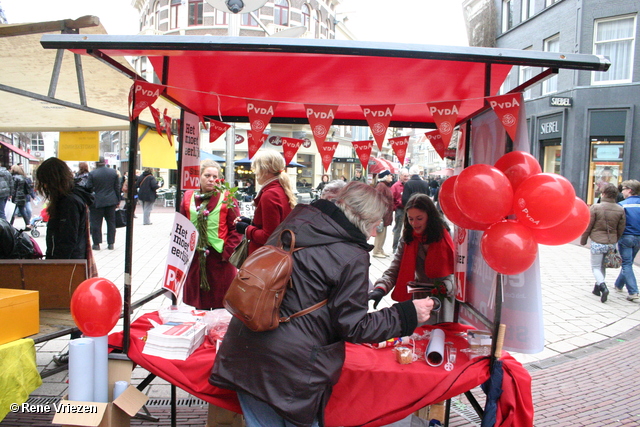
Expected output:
(10, 30)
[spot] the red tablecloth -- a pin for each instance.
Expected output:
(373, 389)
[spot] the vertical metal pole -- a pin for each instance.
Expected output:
(229, 172)
(128, 255)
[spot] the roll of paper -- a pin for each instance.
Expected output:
(101, 369)
(119, 387)
(435, 349)
(81, 366)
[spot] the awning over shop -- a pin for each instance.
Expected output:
(20, 152)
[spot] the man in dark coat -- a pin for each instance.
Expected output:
(106, 189)
(147, 186)
(415, 184)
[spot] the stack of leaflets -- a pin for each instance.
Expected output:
(174, 340)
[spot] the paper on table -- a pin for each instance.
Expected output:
(435, 349)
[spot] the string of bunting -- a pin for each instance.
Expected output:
(321, 116)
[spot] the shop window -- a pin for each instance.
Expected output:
(614, 38)
(605, 166)
(507, 15)
(281, 12)
(551, 84)
(196, 8)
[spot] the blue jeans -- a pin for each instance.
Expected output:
(259, 414)
(628, 247)
(3, 203)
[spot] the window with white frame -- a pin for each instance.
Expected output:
(526, 73)
(316, 24)
(527, 9)
(507, 15)
(156, 14)
(614, 38)
(37, 143)
(281, 12)
(306, 16)
(510, 81)
(550, 2)
(551, 84)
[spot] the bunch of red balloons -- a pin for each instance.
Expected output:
(545, 207)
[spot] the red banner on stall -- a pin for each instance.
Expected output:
(326, 153)
(378, 117)
(436, 141)
(141, 95)
(363, 150)
(155, 113)
(260, 113)
(290, 147)
(216, 129)
(320, 119)
(445, 115)
(399, 145)
(254, 145)
(507, 108)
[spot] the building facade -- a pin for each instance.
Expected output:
(582, 125)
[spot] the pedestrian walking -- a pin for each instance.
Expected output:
(147, 186)
(629, 243)
(104, 183)
(415, 184)
(6, 189)
(21, 190)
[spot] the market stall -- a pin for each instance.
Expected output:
(255, 80)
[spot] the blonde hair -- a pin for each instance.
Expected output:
(363, 205)
(208, 163)
(17, 169)
(271, 162)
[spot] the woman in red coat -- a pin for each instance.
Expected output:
(274, 201)
(214, 216)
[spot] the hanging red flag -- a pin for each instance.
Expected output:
(507, 108)
(436, 141)
(445, 115)
(290, 147)
(399, 145)
(363, 150)
(167, 128)
(141, 95)
(378, 117)
(155, 113)
(320, 119)
(216, 129)
(255, 144)
(326, 153)
(260, 113)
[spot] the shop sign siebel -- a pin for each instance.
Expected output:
(561, 101)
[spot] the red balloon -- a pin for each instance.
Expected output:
(543, 200)
(508, 247)
(95, 306)
(569, 229)
(483, 193)
(452, 211)
(518, 166)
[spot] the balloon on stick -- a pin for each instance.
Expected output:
(543, 200)
(518, 166)
(508, 247)
(568, 230)
(483, 193)
(95, 306)
(452, 211)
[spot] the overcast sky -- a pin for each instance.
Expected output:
(406, 21)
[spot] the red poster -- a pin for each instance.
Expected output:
(436, 141)
(320, 119)
(290, 147)
(155, 113)
(399, 145)
(378, 117)
(142, 95)
(260, 113)
(216, 129)
(507, 108)
(254, 145)
(363, 150)
(326, 152)
(445, 115)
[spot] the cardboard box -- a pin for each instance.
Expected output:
(19, 314)
(220, 417)
(114, 414)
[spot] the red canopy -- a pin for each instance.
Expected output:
(214, 76)
(378, 164)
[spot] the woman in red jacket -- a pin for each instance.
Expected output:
(274, 201)
(425, 256)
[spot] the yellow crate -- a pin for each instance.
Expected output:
(19, 314)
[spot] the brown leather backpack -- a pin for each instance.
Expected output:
(257, 291)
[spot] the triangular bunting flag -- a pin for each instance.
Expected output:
(216, 129)
(141, 95)
(436, 141)
(290, 147)
(378, 117)
(326, 153)
(444, 115)
(320, 119)
(155, 113)
(399, 145)
(167, 129)
(260, 113)
(363, 150)
(254, 145)
(507, 108)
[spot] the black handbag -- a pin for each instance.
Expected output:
(121, 218)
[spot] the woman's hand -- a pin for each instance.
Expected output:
(423, 309)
